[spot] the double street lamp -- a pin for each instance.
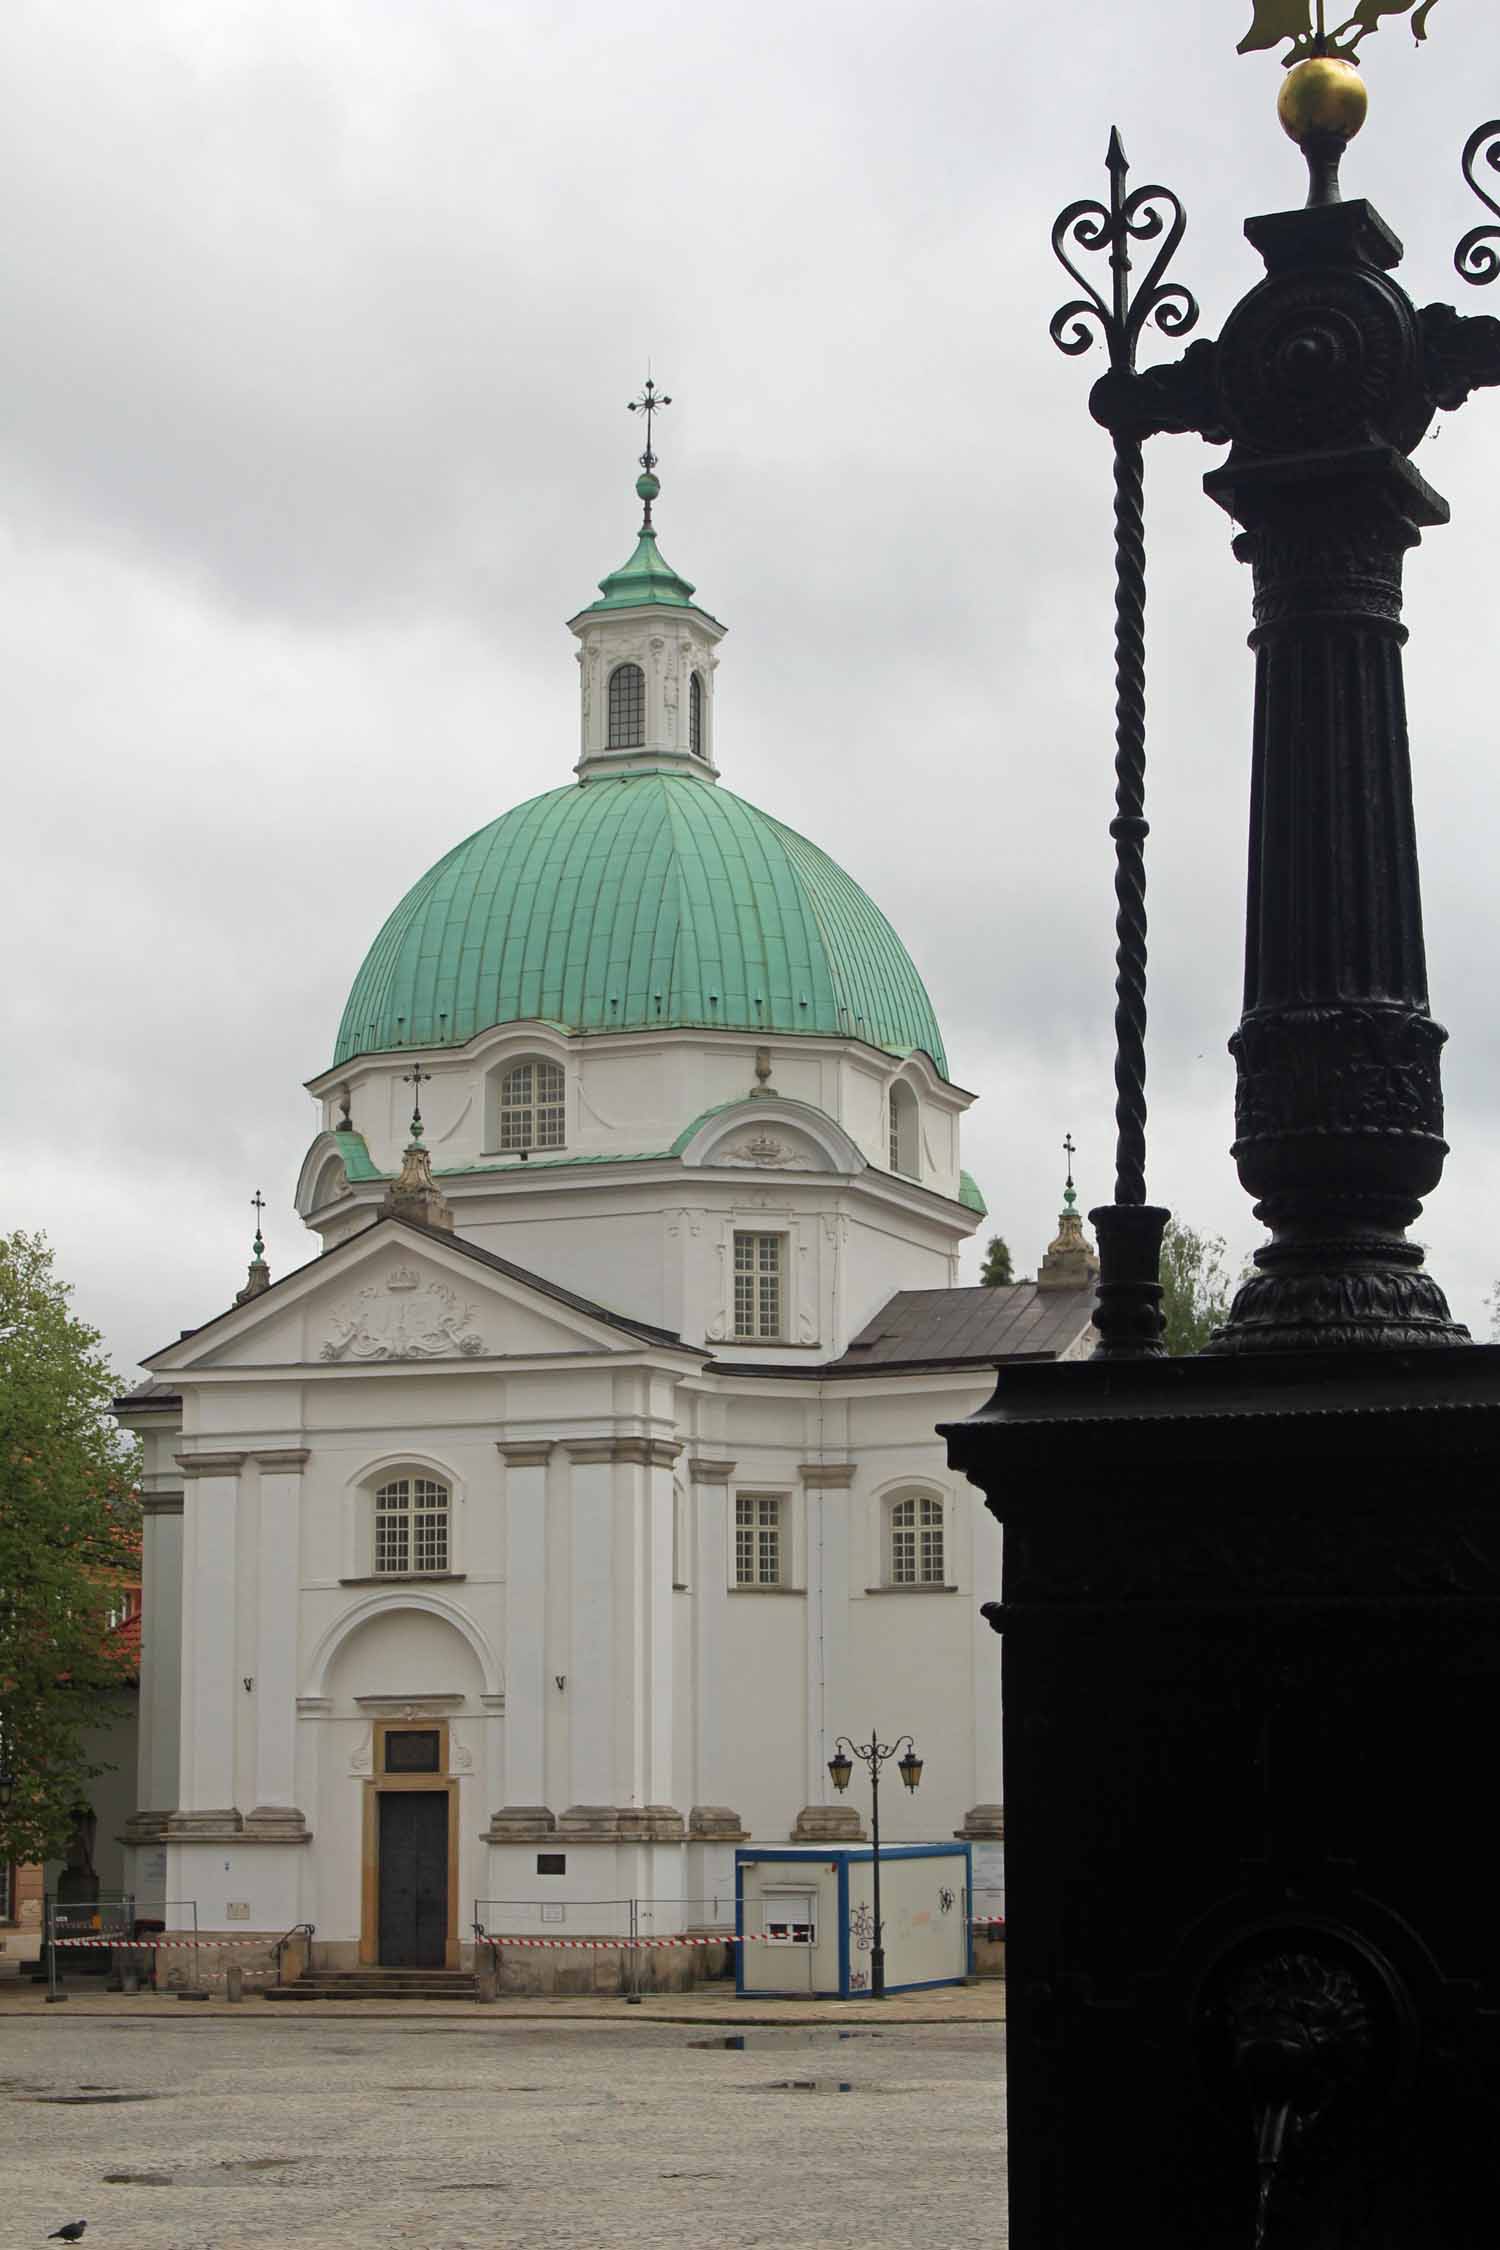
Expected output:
(875, 1754)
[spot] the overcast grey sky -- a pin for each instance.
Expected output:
(321, 316)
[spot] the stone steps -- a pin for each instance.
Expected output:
(379, 1984)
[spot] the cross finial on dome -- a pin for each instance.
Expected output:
(1070, 1150)
(258, 1279)
(650, 402)
(416, 1078)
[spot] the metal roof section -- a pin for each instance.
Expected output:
(951, 1327)
(650, 901)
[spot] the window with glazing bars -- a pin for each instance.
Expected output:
(757, 1540)
(627, 707)
(533, 1106)
(695, 715)
(917, 1542)
(757, 1285)
(411, 1526)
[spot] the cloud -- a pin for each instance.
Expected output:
(323, 318)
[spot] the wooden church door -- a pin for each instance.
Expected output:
(413, 1878)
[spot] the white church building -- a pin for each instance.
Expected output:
(534, 1542)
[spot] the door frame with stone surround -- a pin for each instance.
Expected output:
(381, 1783)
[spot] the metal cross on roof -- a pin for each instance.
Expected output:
(258, 1204)
(416, 1078)
(650, 402)
(1070, 1150)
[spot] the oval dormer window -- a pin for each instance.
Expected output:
(695, 714)
(627, 707)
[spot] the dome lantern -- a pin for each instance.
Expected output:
(646, 657)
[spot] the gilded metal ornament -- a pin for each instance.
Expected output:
(1304, 23)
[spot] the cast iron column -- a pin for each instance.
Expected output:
(1322, 385)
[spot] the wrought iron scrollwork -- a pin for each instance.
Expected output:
(1148, 215)
(1476, 257)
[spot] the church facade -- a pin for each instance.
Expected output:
(528, 1549)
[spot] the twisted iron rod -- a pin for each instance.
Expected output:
(1130, 828)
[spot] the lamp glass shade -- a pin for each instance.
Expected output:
(910, 1769)
(841, 1768)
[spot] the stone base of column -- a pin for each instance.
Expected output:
(982, 1824)
(520, 1824)
(277, 1824)
(209, 1825)
(145, 1828)
(828, 1824)
(226, 1824)
(621, 1824)
(716, 1824)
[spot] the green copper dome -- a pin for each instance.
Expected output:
(630, 905)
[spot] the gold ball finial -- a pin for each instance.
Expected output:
(1323, 98)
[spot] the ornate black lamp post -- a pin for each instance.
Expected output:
(1252, 1631)
(875, 1754)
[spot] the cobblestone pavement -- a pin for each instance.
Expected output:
(444, 2134)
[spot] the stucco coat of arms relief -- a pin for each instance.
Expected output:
(403, 1317)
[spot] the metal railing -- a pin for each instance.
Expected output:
(306, 1930)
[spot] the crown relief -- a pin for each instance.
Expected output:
(762, 1149)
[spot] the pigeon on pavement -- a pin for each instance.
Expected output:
(72, 2232)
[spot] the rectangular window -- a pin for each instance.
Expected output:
(791, 1917)
(917, 1542)
(758, 1278)
(416, 1752)
(757, 1540)
(552, 1863)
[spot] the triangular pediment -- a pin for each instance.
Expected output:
(397, 1294)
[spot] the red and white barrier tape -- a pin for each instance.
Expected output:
(626, 1944)
(160, 1944)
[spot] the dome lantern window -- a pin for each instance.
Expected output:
(627, 707)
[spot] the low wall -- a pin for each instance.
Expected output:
(607, 1969)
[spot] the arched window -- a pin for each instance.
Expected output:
(332, 1182)
(533, 1106)
(627, 707)
(695, 714)
(904, 1131)
(411, 1527)
(917, 1541)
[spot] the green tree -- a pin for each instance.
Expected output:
(997, 1271)
(1197, 1288)
(69, 1537)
